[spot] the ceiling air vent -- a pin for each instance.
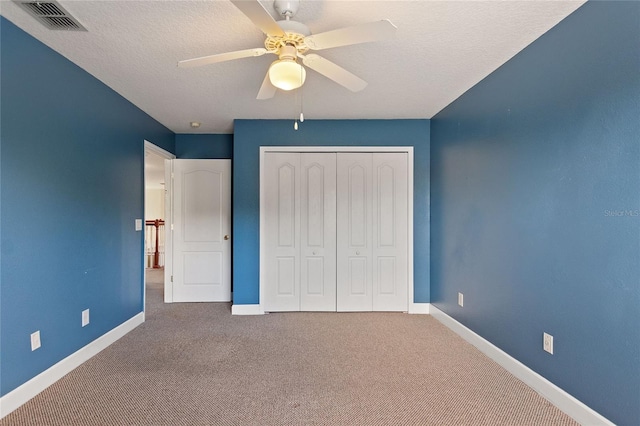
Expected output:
(51, 15)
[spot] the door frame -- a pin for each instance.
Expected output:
(154, 149)
(340, 149)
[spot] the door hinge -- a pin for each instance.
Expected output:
(171, 278)
(172, 226)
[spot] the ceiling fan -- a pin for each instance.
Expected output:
(291, 40)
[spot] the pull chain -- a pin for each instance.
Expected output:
(301, 98)
(295, 124)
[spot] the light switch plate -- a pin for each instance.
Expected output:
(35, 340)
(547, 342)
(85, 317)
(138, 224)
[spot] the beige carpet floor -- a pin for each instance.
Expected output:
(196, 364)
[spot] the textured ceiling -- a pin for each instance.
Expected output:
(442, 49)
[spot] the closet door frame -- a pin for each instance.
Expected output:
(340, 149)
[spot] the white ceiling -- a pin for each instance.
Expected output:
(442, 49)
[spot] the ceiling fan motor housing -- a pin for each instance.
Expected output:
(295, 33)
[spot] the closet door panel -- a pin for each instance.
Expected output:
(354, 227)
(318, 232)
(390, 231)
(282, 233)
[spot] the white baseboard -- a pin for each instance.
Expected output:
(558, 397)
(28, 390)
(414, 308)
(246, 310)
(418, 308)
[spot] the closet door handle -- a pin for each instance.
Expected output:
(358, 253)
(226, 237)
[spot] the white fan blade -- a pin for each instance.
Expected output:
(260, 17)
(334, 72)
(372, 31)
(212, 59)
(267, 90)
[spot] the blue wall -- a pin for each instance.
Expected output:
(209, 146)
(535, 188)
(251, 134)
(535, 184)
(71, 175)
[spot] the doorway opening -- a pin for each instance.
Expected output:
(155, 208)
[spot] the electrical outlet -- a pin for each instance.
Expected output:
(35, 340)
(460, 299)
(85, 317)
(547, 342)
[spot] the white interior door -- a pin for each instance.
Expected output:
(318, 232)
(201, 230)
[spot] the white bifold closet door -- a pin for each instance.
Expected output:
(372, 232)
(335, 231)
(300, 209)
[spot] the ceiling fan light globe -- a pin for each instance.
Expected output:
(287, 74)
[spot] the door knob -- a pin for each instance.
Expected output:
(314, 253)
(226, 237)
(358, 253)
